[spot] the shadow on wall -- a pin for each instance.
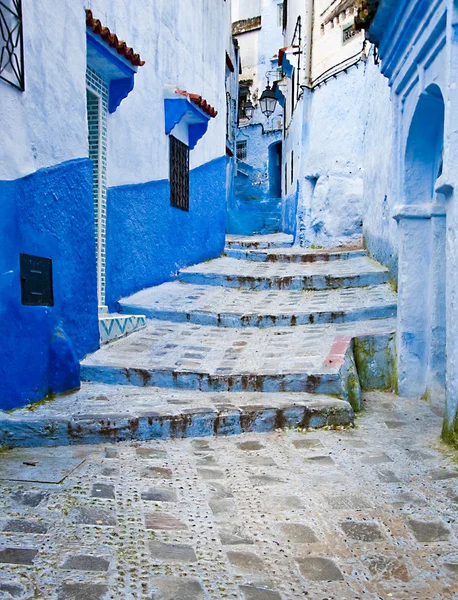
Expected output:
(257, 207)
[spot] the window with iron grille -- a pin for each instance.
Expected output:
(280, 14)
(244, 95)
(241, 150)
(179, 174)
(348, 33)
(11, 47)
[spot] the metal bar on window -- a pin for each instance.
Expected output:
(179, 174)
(11, 43)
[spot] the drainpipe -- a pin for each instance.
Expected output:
(308, 26)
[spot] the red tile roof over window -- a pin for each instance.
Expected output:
(112, 40)
(200, 102)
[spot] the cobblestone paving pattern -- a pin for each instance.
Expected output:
(167, 345)
(233, 267)
(272, 240)
(368, 513)
(190, 299)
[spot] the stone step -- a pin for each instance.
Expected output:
(112, 413)
(294, 254)
(273, 240)
(113, 326)
(186, 356)
(230, 272)
(229, 307)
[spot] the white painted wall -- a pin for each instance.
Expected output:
(183, 45)
(245, 9)
(46, 124)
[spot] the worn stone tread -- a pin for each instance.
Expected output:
(295, 254)
(271, 240)
(231, 272)
(168, 348)
(99, 413)
(229, 307)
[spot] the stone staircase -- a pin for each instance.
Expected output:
(267, 336)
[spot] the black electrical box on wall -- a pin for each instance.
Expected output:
(36, 281)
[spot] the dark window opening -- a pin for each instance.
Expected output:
(285, 14)
(292, 167)
(179, 174)
(242, 150)
(286, 176)
(36, 280)
(11, 43)
(244, 96)
(293, 92)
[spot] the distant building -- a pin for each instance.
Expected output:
(112, 170)
(256, 206)
(323, 61)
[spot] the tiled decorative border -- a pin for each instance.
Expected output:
(97, 111)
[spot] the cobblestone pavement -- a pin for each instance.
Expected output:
(198, 348)
(273, 240)
(230, 306)
(367, 513)
(358, 271)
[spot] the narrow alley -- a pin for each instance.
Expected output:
(229, 298)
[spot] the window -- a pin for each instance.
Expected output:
(179, 173)
(293, 92)
(36, 280)
(241, 150)
(292, 167)
(286, 176)
(244, 96)
(228, 116)
(285, 14)
(11, 48)
(280, 14)
(348, 33)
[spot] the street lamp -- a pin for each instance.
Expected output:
(249, 108)
(268, 101)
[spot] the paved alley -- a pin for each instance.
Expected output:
(363, 513)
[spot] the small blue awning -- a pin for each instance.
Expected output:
(190, 110)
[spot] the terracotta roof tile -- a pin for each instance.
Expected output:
(112, 40)
(200, 102)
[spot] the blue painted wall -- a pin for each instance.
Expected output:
(254, 209)
(148, 240)
(48, 213)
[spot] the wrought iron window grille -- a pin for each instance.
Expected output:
(11, 43)
(179, 173)
(242, 150)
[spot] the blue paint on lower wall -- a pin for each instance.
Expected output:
(148, 240)
(48, 213)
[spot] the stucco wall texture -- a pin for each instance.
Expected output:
(46, 203)
(148, 241)
(48, 213)
(330, 203)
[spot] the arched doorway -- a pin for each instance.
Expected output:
(425, 142)
(275, 151)
(422, 260)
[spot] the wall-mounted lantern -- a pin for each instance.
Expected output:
(249, 108)
(268, 101)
